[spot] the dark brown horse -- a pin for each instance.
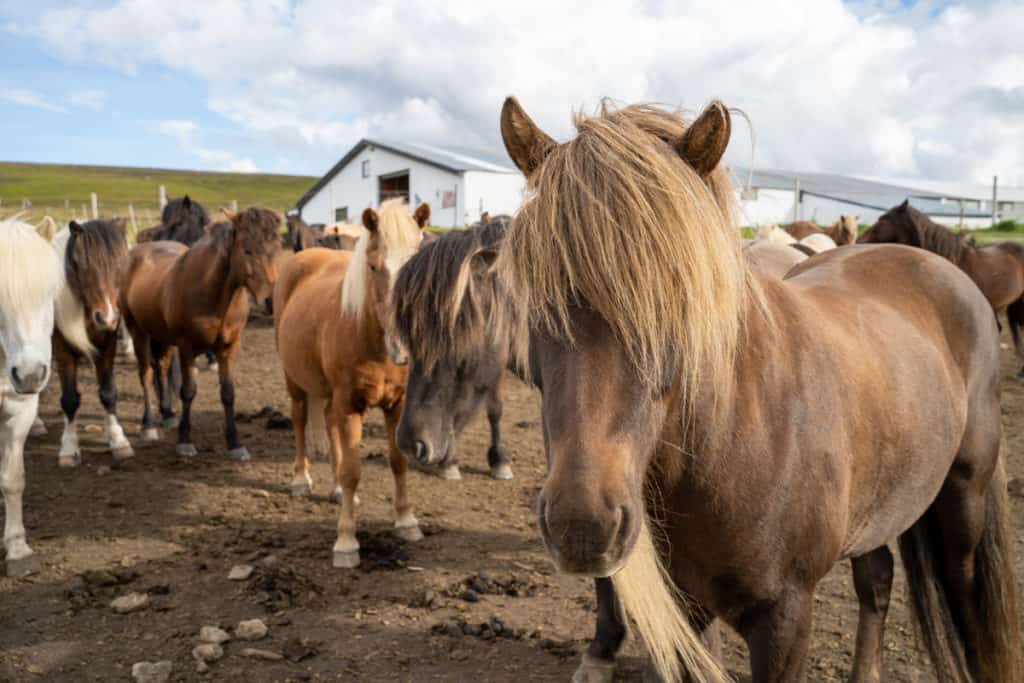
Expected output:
(684, 397)
(95, 257)
(997, 269)
(197, 300)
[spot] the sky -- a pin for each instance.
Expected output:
(882, 88)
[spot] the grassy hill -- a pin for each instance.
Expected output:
(62, 191)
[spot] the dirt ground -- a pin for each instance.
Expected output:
(174, 529)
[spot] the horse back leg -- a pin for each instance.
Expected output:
(501, 466)
(406, 525)
(163, 358)
(185, 447)
(120, 448)
(872, 580)
(70, 400)
(143, 361)
(598, 662)
(344, 431)
(778, 633)
(302, 482)
(18, 413)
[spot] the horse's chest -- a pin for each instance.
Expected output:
(378, 386)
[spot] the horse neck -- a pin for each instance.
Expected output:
(368, 324)
(219, 279)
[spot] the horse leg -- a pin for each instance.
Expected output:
(67, 369)
(778, 635)
(17, 413)
(119, 446)
(225, 370)
(406, 525)
(143, 361)
(185, 447)
(162, 359)
(344, 430)
(302, 482)
(501, 466)
(598, 663)
(872, 579)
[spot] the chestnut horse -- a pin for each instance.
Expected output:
(997, 269)
(340, 358)
(842, 232)
(684, 396)
(197, 300)
(95, 258)
(30, 277)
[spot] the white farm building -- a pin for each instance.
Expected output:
(458, 184)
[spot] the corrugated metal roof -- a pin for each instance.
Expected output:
(864, 192)
(453, 159)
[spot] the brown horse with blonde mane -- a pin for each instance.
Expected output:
(997, 269)
(842, 232)
(196, 300)
(684, 397)
(340, 358)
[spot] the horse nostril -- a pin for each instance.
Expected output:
(98, 317)
(421, 452)
(14, 376)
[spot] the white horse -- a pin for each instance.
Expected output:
(774, 234)
(818, 243)
(30, 276)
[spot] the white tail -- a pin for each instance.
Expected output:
(654, 604)
(316, 426)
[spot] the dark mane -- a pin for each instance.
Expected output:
(182, 220)
(931, 236)
(99, 250)
(441, 307)
(265, 224)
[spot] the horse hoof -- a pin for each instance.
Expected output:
(186, 450)
(239, 455)
(502, 471)
(212, 367)
(150, 434)
(409, 533)
(122, 453)
(1019, 377)
(450, 473)
(594, 670)
(302, 490)
(73, 460)
(346, 560)
(38, 428)
(171, 422)
(23, 566)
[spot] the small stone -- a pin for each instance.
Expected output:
(252, 629)
(270, 561)
(470, 595)
(260, 493)
(459, 655)
(100, 471)
(132, 602)
(453, 630)
(202, 667)
(240, 572)
(266, 655)
(152, 672)
(212, 634)
(207, 652)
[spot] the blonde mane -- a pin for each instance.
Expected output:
(615, 220)
(400, 238)
(30, 273)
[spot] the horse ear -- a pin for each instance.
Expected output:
(704, 142)
(370, 219)
(422, 215)
(229, 214)
(905, 205)
(75, 228)
(187, 202)
(483, 260)
(526, 143)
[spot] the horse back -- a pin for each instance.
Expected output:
(801, 229)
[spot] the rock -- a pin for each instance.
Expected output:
(207, 652)
(260, 493)
(100, 471)
(296, 650)
(266, 655)
(212, 634)
(240, 572)
(132, 602)
(452, 629)
(470, 595)
(253, 629)
(202, 667)
(152, 672)
(270, 561)
(278, 420)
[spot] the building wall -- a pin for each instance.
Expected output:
(495, 193)
(349, 189)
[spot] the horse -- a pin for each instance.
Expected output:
(88, 319)
(997, 269)
(340, 358)
(773, 258)
(183, 220)
(450, 314)
(818, 242)
(683, 398)
(196, 300)
(30, 277)
(842, 232)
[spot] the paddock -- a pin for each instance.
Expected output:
(173, 529)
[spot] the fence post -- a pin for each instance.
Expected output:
(85, 213)
(95, 205)
(234, 205)
(135, 228)
(163, 197)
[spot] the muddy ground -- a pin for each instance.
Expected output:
(173, 529)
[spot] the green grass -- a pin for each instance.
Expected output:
(62, 190)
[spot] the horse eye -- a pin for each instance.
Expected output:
(373, 268)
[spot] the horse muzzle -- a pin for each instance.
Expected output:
(585, 542)
(29, 380)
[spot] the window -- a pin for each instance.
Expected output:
(366, 168)
(341, 213)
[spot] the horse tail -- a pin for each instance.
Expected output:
(1015, 316)
(650, 599)
(921, 548)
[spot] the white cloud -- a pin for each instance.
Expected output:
(27, 98)
(870, 88)
(186, 133)
(88, 99)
